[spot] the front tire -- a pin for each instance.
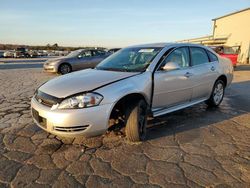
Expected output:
(64, 68)
(217, 94)
(136, 122)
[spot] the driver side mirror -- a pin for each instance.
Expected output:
(171, 66)
(79, 56)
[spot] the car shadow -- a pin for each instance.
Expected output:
(236, 103)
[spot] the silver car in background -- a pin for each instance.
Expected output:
(130, 85)
(76, 60)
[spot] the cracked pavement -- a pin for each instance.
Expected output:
(195, 147)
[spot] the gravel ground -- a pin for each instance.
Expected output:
(195, 147)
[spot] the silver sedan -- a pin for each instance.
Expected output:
(76, 60)
(130, 85)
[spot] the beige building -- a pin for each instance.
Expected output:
(230, 30)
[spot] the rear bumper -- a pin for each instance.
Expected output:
(230, 76)
(71, 123)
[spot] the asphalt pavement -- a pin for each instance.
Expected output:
(194, 147)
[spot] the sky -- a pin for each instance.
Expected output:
(109, 23)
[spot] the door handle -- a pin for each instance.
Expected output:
(188, 74)
(212, 68)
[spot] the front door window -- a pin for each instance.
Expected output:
(179, 56)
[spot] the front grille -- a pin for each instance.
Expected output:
(41, 120)
(45, 99)
(71, 129)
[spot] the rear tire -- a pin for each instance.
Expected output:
(217, 94)
(64, 68)
(136, 122)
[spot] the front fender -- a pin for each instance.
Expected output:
(139, 84)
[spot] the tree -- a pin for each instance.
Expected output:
(55, 46)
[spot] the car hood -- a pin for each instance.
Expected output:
(81, 81)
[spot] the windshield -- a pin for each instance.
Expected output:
(129, 60)
(74, 53)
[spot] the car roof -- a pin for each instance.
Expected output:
(163, 45)
(155, 45)
(82, 49)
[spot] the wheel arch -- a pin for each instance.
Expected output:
(122, 101)
(223, 78)
(63, 63)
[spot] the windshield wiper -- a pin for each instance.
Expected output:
(111, 69)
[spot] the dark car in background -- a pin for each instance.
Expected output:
(76, 60)
(1, 53)
(21, 53)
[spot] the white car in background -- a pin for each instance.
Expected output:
(9, 54)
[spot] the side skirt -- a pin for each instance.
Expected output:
(162, 111)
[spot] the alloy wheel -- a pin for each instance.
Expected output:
(64, 69)
(218, 93)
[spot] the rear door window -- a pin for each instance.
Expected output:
(198, 56)
(212, 56)
(86, 53)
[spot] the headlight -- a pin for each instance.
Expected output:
(51, 62)
(81, 101)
